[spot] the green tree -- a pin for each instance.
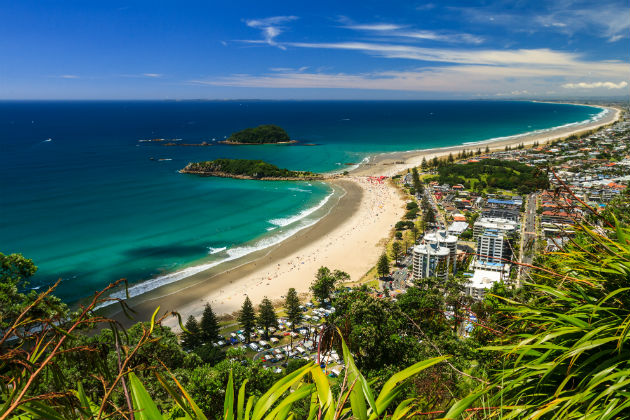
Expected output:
(267, 316)
(450, 158)
(430, 216)
(209, 325)
(191, 339)
(15, 272)
(292, 307)
(247, 318)
(325, 281)
(424, 164)
(396, 250)
(382, 267)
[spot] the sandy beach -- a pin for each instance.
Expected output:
(389, 164)
(349, 238)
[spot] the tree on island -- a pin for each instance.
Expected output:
(247, 319)
(209, 325)
(191, 338)
(382, 267)
(325, 281)
(292, 307)
(267, 316)
(268, 133)
(396, 250)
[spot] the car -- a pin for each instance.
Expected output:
(254, 346)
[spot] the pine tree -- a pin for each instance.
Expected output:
(267, 316)
(382, 267)
(191, 338)
(396, 249)
(430, 216)
(423, 165)
(292, 307)
(487, 149)
(450, 158)
(247, 318)
(209, 325)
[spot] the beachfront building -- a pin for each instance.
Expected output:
(492, 246)
(457, 227)
(505, 226)
(443, 239)
(481, 281)
(431, 260)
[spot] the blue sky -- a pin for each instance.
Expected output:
(313, 50)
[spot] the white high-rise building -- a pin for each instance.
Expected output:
(431, 260)
(492, 246)
(507, 227)
(443, 238)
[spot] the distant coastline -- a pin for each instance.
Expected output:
(241, 277)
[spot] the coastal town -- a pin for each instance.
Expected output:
(477, 230)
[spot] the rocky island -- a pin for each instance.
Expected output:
(247, 169)
(263, 134)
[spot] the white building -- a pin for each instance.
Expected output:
(480, 282)
(492, 246)
(431, 260)
(507, 227)
(457, 228)
(444, 239)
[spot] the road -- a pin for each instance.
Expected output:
(528, 235)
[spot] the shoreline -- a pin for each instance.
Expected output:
(334, 241)
(390, 164)
(355, 225)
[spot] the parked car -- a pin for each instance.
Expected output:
(253, 346)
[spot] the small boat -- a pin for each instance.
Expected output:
(47, 140)
(162, 160)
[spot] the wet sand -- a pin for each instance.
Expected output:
(349, 238)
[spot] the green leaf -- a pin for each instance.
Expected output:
(241, 401)
(142, 403)
(153, 319)
(460, 406)
(275, 392)
(323, 387)
(399, 378)
(228, 404)
(40, 410)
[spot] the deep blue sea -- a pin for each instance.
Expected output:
(80, 195)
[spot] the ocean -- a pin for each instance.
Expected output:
(90, 203)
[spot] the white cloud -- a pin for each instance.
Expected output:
(154, 75)
(375, 27)
(68, 76)
(486, 72)
(608, 21)
(270, 27)
(595, 85)
(402, 31)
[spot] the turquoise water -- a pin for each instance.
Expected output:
(89, 206)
